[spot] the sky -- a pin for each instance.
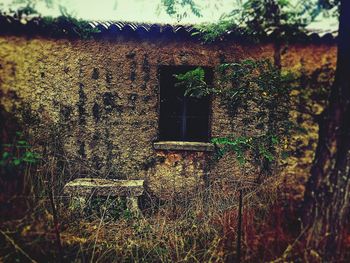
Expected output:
(150, 11)
(132, 10)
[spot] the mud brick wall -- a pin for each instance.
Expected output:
(102, 98)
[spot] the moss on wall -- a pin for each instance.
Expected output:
(104, 96)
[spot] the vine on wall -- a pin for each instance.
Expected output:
(265, 96)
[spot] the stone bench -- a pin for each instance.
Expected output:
(83, 188)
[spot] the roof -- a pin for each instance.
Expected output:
(124, 26)
(32, 22)
(329, 32)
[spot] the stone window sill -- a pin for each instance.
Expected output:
(184, 146)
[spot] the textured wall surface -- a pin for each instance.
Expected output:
(310, 59)
(101, 98)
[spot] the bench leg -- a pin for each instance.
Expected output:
(132, 205)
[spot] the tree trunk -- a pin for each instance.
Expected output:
(327, 194)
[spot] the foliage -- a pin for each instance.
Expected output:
(257, 81)
(210, 32)
(66, 25)
(258, 145)
(171, 7)
(194, 83)
(18, 153)
(256, 20)
(257, 90)
(259, 19)
(177, 230)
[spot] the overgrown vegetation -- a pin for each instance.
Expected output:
(260, 92)
(201, 228)
(268, 98)
(283, 106)
(172, 231)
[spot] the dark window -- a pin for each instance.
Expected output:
(182, 118)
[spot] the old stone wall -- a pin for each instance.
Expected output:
(101, 98)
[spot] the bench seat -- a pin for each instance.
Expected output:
(86, 187)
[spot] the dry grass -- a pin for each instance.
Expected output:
(199, 228)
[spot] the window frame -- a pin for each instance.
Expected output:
(208, 70)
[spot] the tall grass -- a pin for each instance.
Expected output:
(197, 228)
(201, 227)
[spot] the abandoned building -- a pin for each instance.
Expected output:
(111, 102)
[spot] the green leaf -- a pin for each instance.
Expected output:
(30, 157)
(274, 140)
(22, 142)
(16, 161)
(5, 155)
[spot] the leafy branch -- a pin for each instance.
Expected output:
(17, 153)
(194, 83)
(258, 145)
(257, 90)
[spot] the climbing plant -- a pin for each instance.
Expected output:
(272, 105)
(257, 90)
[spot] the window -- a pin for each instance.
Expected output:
(182, 118)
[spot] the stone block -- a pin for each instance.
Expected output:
(104, 187)
(82, 188)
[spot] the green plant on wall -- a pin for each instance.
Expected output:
(274, 103)
(240, 145)
(260, 92)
